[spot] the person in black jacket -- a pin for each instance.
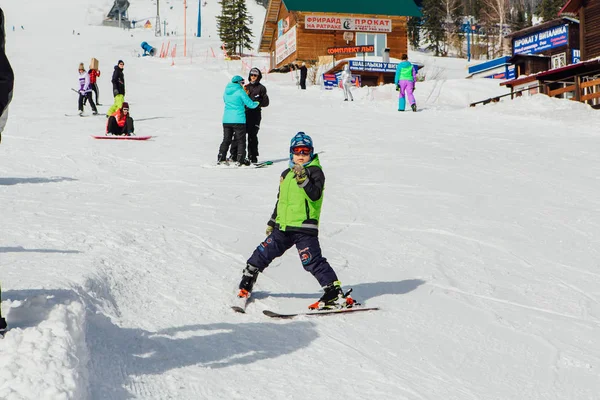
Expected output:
(257, 92)
(7, 79)
(118, 82)
(303, 73)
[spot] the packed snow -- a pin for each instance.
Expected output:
(475, 230)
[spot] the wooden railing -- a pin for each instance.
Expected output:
(593, 89)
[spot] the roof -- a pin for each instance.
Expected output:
(406, 8)
(545, 25)
(570, 70)
(572, 6)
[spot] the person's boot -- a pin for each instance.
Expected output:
(330, 298)
(249, 277)
(414, 107)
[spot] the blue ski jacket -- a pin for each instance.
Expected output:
(235, 99)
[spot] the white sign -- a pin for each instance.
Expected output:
(340, 23)
(285, 45)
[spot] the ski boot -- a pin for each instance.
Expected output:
(331, 298)
(249, 277)
(3, 327)
(414, 107)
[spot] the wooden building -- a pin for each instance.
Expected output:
(552, 44)
(588, 12)
(579, 80)
(303, 30)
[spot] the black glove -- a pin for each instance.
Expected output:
(115, 92)
(414, 87)
(300, 173)
(397, 88)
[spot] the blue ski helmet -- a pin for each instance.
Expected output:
(302, 140)
(237, 79)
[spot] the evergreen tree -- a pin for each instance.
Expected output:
(548, 9)
(414, 31)
(232, 26)
(434, 15)
(242, 21)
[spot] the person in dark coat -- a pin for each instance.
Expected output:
(234, 120)
(303, 73)
(7, 79)
(118, 82)
(257, 92)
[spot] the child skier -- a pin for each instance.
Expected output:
(295, 221)
(85, 92)
(405, 79)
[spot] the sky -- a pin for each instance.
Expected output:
(474, 230)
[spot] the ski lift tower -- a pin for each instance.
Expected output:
(157, 24)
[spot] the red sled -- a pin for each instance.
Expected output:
(112, 137)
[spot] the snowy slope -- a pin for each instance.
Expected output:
(474, 229)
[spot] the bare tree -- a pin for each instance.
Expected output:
(495, 12)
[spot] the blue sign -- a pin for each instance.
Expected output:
(509, 73)
(575, 56)
(542, 40)
(373, 66)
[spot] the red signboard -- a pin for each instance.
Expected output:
(351, 49)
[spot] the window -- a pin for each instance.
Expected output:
(559, 60)
(377, 39)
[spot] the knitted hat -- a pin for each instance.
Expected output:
(301, 139)
(120, 62)
(125, 106)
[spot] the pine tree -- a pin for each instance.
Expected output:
(434, 15)
(241, 22)
(232, 26)
(414, 31)
(548, 9)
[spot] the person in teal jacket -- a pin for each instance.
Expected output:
(405, 79)
(234, 120)
(295, 221)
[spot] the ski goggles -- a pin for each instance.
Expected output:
(305, 151)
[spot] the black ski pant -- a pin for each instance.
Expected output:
(308, 248)
(234, 135)
(114, 128)
(96, 91)
(253, 118)
(88, 97)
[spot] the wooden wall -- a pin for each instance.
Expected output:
(312, 43)
(590, 26)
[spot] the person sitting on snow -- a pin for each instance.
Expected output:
(120, 123)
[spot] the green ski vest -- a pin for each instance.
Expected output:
(295, 208)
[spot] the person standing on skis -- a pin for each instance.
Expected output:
(234, 121)
(405, 79)
(295, 221)
(257, 92)
(85, 91)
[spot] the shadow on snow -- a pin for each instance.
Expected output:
(17, 181)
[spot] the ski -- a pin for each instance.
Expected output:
(262, 164)
(274, 314)
(239, 304)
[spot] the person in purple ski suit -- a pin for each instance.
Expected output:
(406, 76)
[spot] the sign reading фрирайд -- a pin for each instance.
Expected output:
(340, 23)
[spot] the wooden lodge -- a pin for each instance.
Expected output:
(296, 31)
(579, 78)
